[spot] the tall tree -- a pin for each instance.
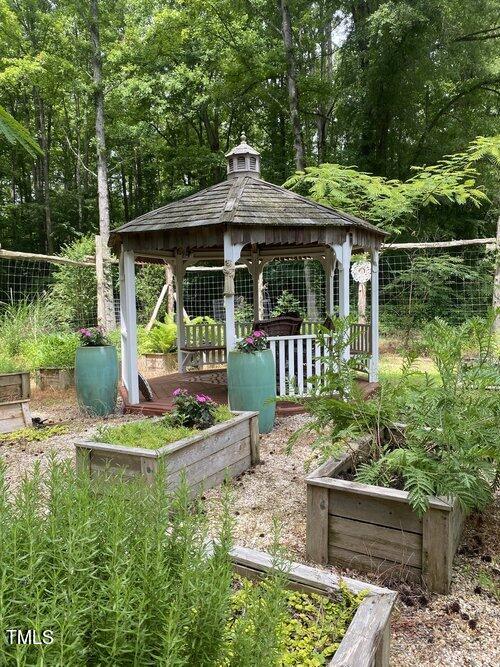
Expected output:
(105, 304)
(293, 91)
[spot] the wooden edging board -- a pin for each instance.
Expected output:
(373, 528)
(366, 642)
(206, 458)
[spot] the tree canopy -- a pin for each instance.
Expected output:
(382, 85)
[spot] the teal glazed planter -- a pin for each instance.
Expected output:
(96, 379)
(251, 385)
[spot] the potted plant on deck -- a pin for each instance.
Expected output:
(251, 378)
(96, 372)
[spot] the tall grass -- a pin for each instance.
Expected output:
(18, 322)
(119, 573)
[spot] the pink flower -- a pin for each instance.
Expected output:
(177, 392)
(201, 398)
(249, 340)
(257, 334)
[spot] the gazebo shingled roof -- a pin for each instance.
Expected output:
(247, 201)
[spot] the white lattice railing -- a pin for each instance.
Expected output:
(297, 358)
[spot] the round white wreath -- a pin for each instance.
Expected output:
(361, 272)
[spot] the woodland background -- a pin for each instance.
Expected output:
(382, 86)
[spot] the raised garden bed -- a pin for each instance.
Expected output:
(206, 458)
(14, 401)
(366, 642)
(14, 386)
(156, 362)
(55, 378)
(374, 529)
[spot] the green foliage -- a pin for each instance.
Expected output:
(144, 433)
(73, 295)
(394, 204)
(119, 572)
(243, 311)
(15, 132)
(450, 445)
(21, 323)
(287, 303)
(33, 434)
(153, 434)
(161, 338)
(50, 351)
(198, 411)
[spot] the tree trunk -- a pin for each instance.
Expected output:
(496, 284)
(293, 93)
(105, 308)
(44, 172)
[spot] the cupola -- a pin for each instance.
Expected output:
(243, 160)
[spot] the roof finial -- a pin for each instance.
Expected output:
(243, 138)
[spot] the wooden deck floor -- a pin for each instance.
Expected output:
(210, 382)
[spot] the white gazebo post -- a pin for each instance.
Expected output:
(374, 314)
(343, 254)
(232, 253)
(128, 323)
(179, 270)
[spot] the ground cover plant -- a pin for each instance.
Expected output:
(448, 442)
(189, 416)
(100, 585)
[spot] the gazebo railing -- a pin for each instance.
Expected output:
(297, 357)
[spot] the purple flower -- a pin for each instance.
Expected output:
(201, 398)
(249, 340)
(177, 392)
(257, 334)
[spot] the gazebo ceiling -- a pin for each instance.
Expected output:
(243, 202)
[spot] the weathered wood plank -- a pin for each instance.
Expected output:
(231, 471)
(195, 451)
(255, 440)
(317, 524)
(378, 511)
(437, 554)
(372, 540)
(370, 620)
(210, 465)
(14, 415)
(326, 582)
(368, 563)
(374, 491)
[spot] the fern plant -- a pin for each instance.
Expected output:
(451, 446)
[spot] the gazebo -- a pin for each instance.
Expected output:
(247, 220)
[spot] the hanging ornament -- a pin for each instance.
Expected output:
(361, 271)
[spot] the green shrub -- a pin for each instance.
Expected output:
(119, 574)
(21, 320)
(50, 351)
(450, 445)
(161, 338)
(73, 295)
(287, 303)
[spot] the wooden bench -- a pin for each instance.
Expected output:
(189, 351)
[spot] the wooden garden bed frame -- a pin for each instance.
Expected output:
(14, 401)
(206, 459)
(374, 529)
(367, 640)
(55, 378)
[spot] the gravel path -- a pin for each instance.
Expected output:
(460, 629)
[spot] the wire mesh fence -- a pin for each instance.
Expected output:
(415, 286)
